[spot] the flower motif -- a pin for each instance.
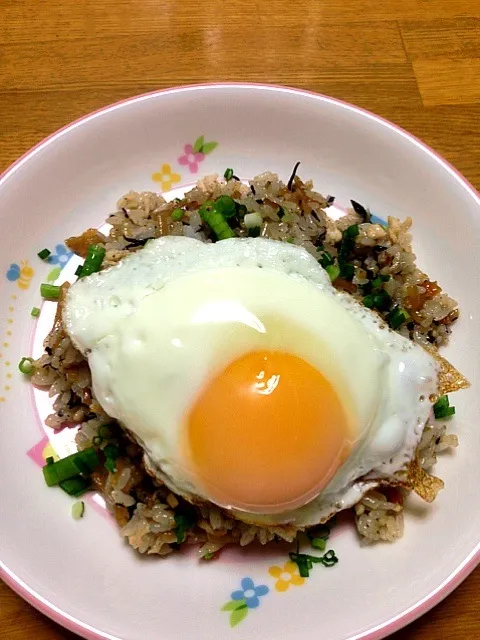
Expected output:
(250, 593)
(166, 177)
(191, 158)
(61, 256)
(286, 576)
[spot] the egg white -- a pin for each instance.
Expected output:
(161, 323)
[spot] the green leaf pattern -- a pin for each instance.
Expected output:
(238, 615)
(197, 147)
(208, 147)
(238, 609)
(200, 146)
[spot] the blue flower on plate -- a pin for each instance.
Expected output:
(250, 593)
(61, 255)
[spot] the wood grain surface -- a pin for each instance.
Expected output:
(415, 62)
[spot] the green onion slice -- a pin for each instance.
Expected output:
(78, 509)
(81, 462)
(35, 312)
(26, 366)
(347, 271)
(177, 214)
(379, 280)
(228, 175)
(75, 486)
(216, 221)
(352, 231)
(43, 254)
(226, 206)
(93, 261)
(51, 291)
(319, 543)
(442, 408)
(110, 465)
(305, 561)
(333, 271)
(325, 260)
(184, 522)
(397, 317)
(111, 452)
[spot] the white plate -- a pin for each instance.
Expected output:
(80, 572)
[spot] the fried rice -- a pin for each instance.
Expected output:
(377, 261)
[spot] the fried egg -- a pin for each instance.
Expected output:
(249, 381)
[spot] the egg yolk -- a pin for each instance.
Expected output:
(267, 433)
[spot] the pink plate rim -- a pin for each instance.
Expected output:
(457, 576)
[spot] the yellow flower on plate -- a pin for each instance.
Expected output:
(286, 576)
(166, 177)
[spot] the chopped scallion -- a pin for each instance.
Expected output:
(442, 408)
(93, 261)
(26, 366)
(228, 175)
(226, 206)
(352, 231)
(379, 280)
(368, 301)
(35, 312)
(97, 441)
(177, 214)
(111, 452)
(71, 466)
(110, 465)
(305, 561)
(333, 271)
(347, 271)
(78, 509)
(75, 486)
(319, 536)
(43, 254)
(216, 221)
(397, 317)
(319, 543)
(184, 521)
(50, 291)
(348, 243)
(379, 300)
(325, 260)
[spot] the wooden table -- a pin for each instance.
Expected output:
(416, 62)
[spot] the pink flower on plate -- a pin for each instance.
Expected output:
(191, 158)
